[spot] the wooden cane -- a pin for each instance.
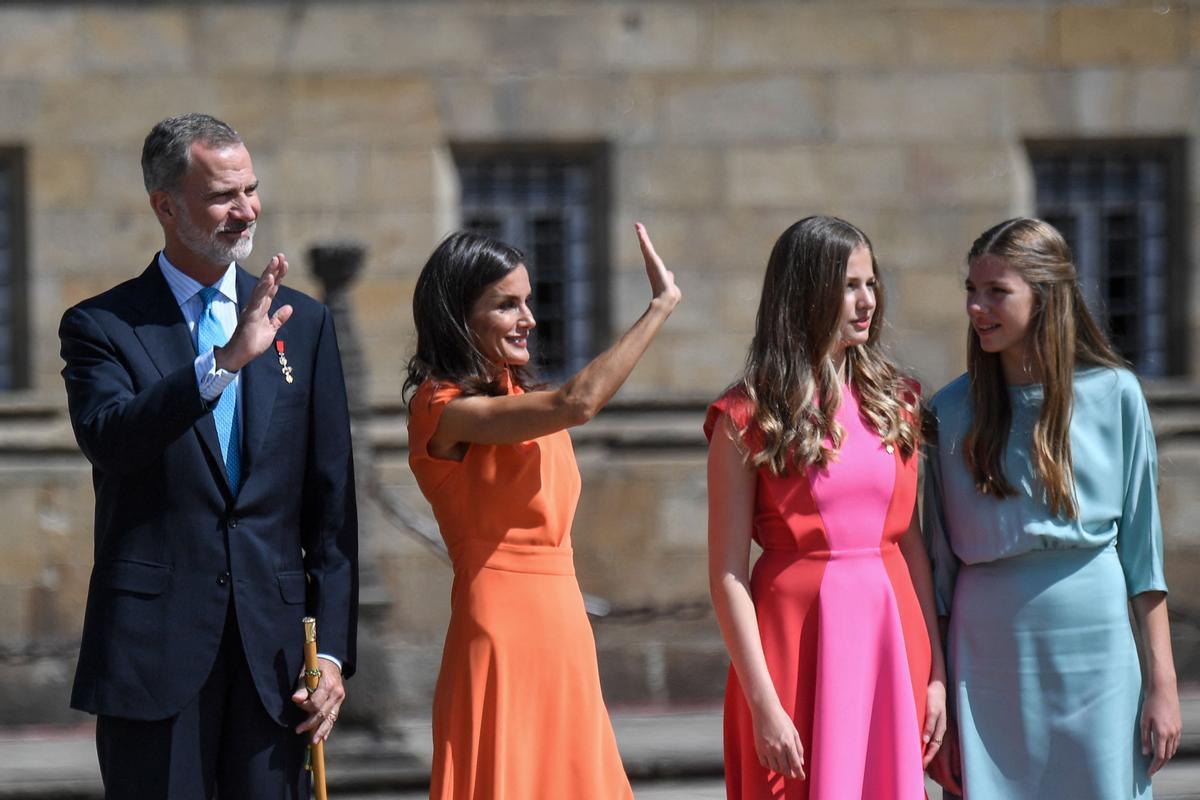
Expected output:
(312, 676)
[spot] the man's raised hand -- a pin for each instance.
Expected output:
(257, 326)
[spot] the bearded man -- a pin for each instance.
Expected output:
(212, 408)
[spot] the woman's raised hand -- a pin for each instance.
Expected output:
(662, 280)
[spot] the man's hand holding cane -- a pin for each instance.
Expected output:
(322, 703)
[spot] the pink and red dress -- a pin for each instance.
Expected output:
(841, 627)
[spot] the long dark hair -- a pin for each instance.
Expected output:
(454, 277)
(790, 376)
(1062, 335)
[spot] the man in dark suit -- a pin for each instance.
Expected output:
(213, 410)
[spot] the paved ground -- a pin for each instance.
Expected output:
(669, 756)
(1182, 784)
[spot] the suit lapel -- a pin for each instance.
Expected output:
(260, 381)
(163, 332)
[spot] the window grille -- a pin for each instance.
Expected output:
(549, 204)
(1118, 205)
(13, 308)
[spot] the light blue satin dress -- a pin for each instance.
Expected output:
(1044, 672)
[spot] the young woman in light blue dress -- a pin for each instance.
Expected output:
(1041, 517)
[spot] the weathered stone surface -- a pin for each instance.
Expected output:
(414, 663)
(238, 40)
(318, 178)
(697, 671)
(63, 176)
(917, 105)
(976, 37)
(714, 301)
(812, 177)
(580, 108)
(360, 109)
(593, 37)
(1119, 102)
(468, 107)
(1179, 475)
(1103, 101)
(79, 242)
(1039, 103)
(385, 38)
(966, 175)
(689, 363)
(927, 239)
(21, 100)
(396, 241)
(934, 357)
(806, 35)
(551, 106)
(255, 105)
(625, 676)
(1166, 101)
(666, 177)
(117, 184)
(1139, 35)
(419, 588)
(23, 551)
(650, 36)
(1194, 35)
(398, 177)
(133, 40)
(34, 691)
(384, 302)
(81, 111)
(37, 43)
(733, 110)
(928, 296)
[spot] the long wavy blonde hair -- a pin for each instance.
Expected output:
(1062, 335)
(790, 377)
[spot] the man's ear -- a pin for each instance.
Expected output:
(164, 206)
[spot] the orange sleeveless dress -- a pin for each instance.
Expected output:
(517, 711)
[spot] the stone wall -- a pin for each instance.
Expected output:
(726, 122)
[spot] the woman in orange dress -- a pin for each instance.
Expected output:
(517, 711)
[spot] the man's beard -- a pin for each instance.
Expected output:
(210, 247)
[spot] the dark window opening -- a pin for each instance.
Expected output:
(1120, 205)
(14, 307)
(550, 202)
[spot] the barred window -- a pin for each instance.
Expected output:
(13, 305)
(1120, 207)
(550, 203)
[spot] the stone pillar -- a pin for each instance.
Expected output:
(337, 265)
(372, 694)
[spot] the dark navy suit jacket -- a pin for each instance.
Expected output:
(173, 545)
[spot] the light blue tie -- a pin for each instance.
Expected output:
(210, 333)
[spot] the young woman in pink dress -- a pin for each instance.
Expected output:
(837, 686)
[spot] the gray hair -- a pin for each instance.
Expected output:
(166, 152)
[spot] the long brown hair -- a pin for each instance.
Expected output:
(790, 377)
(1062, 335)
(456, 275)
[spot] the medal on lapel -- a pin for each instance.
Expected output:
(283, 365)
